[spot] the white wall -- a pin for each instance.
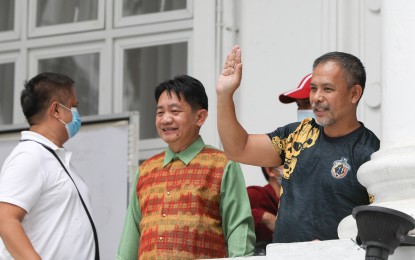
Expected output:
(279, 42)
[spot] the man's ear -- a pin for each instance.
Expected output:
(53, 109)
(270, 172)
(357, 92)
(201, 116)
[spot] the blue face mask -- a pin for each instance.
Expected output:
(73, 127)
(303, 114)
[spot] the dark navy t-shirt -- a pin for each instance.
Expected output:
(320, 186)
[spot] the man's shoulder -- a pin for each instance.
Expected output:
(258, 188)
(370, 134)
(214, 155)
(213, 148)
(154, 158)
(307, 125)
(27, 151)
(371, 140)
(366, 138)
(209, 149)
(255, 189)
(259, 193)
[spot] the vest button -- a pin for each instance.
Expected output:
(168, 193)
(164, 215)
(160, 238)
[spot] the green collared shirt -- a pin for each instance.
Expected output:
(235, 209)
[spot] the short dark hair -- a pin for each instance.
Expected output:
(191, 89)
(39, 91)
(264, 171)
(353, 68)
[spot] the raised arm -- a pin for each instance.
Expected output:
(254, 149)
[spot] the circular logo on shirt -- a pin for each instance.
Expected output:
(340, 168)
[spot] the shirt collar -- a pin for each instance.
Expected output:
(30, 135)
(186, 155)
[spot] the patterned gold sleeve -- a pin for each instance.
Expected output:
(278, 144)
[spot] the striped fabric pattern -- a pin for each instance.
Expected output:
(180, 207)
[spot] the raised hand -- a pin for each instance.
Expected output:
(230, 78)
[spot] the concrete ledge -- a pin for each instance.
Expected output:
(344, 249)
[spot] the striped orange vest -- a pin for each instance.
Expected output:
(180, 207)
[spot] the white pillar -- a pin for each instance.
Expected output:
(390, 174)
(398, 73)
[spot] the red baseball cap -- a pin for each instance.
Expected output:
(302, 91)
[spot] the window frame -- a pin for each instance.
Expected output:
(15, 58)
(151, 18)
(15, 33)
(122, 44)
(104, 96)
(34, 31)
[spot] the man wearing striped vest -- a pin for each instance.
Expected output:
(190, 201)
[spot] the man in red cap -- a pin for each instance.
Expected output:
(264, 202)
(300, 95)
